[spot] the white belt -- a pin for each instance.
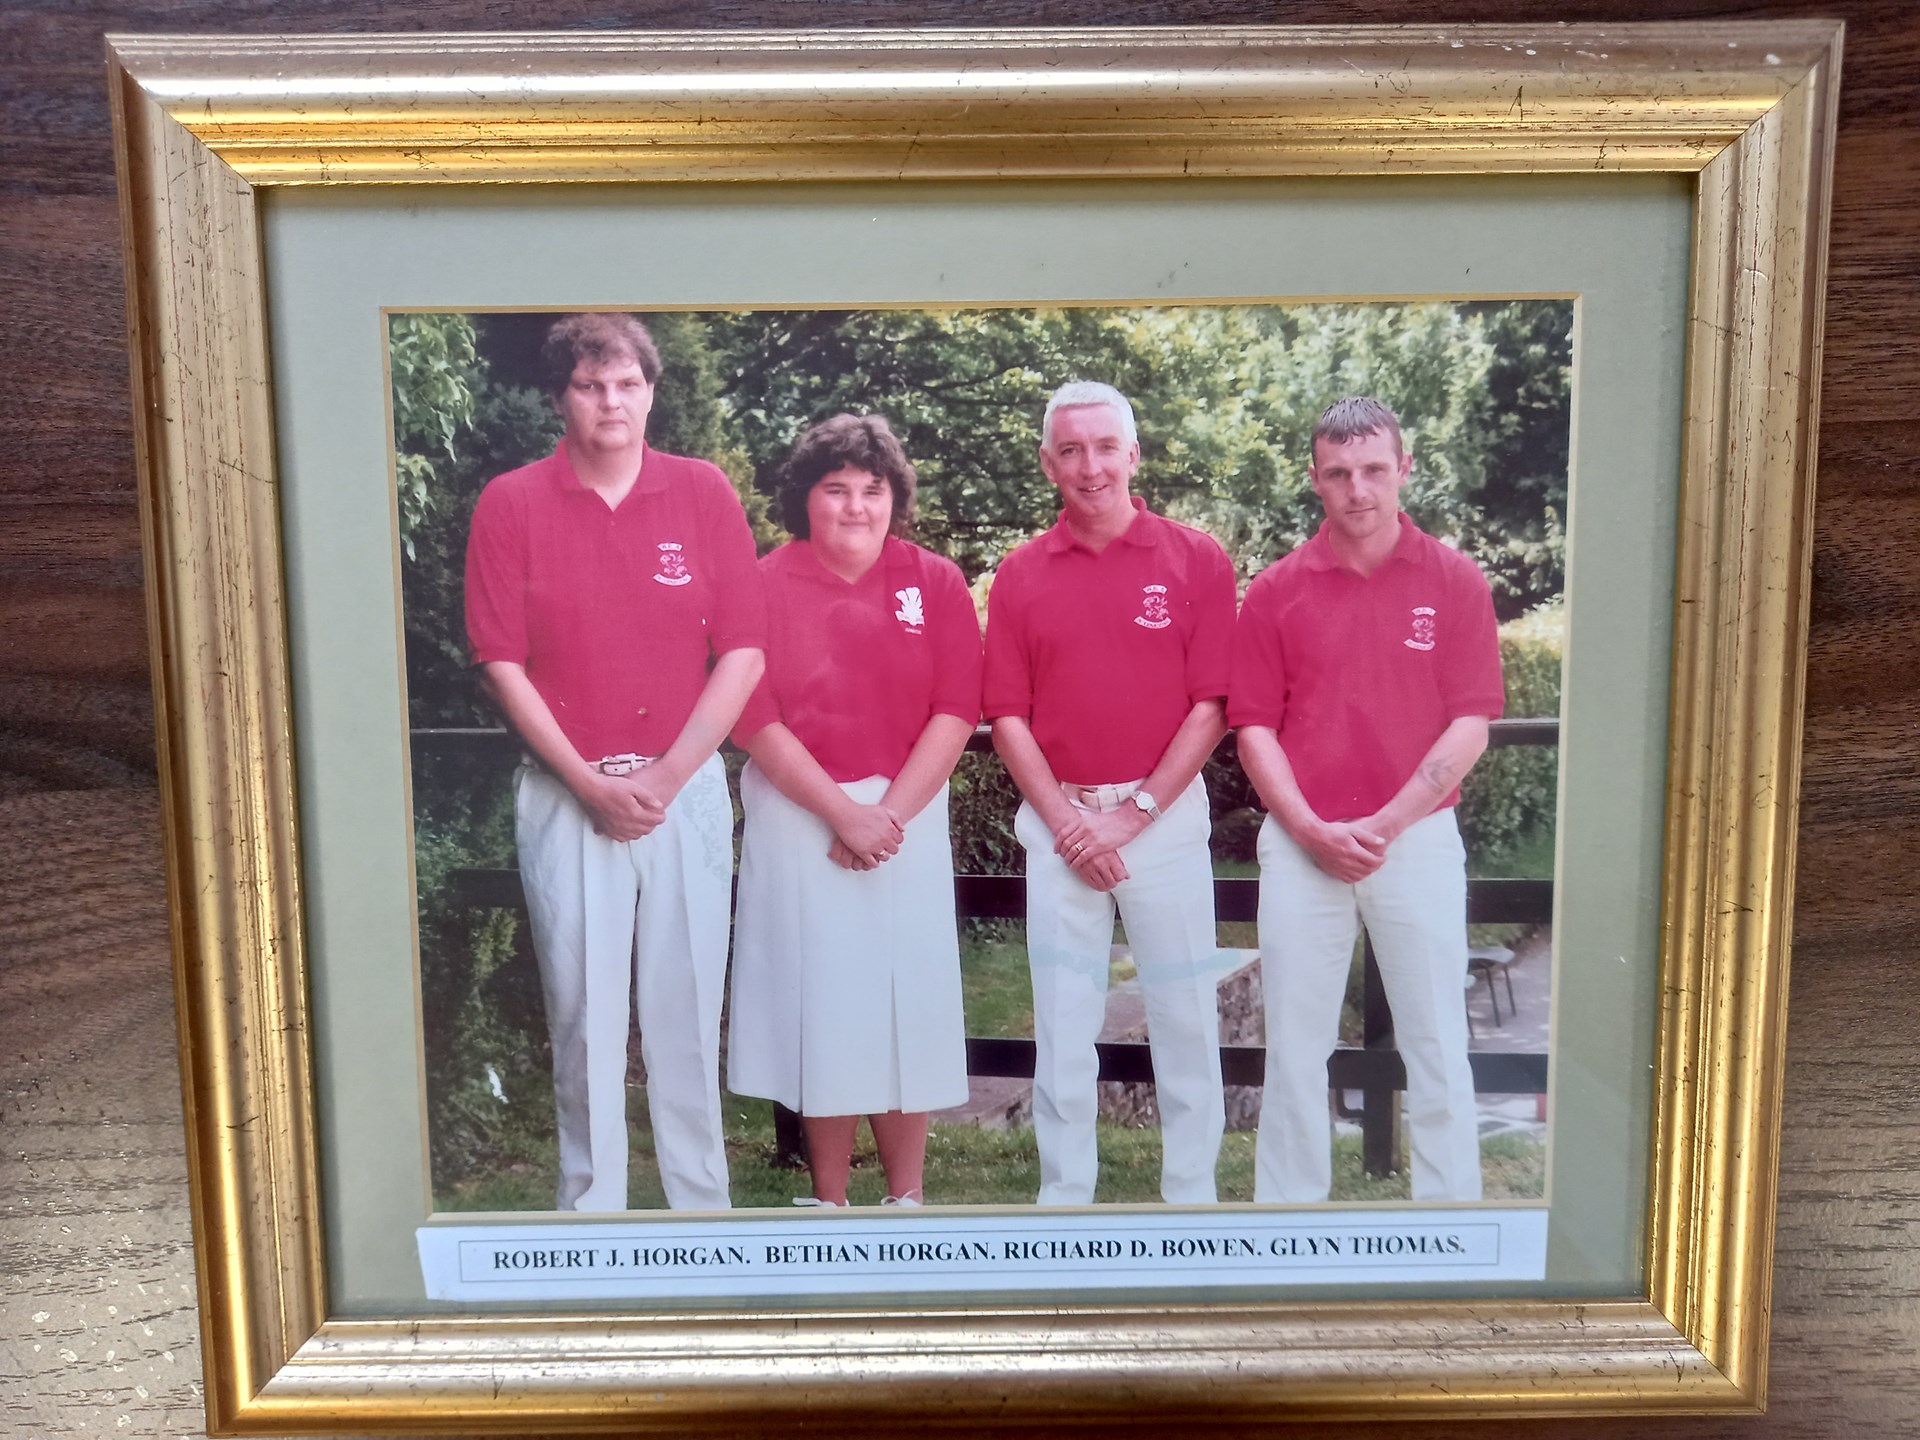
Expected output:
(606, 764)
(622, 764)
(1101, 797)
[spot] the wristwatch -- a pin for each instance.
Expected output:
(1146, 804)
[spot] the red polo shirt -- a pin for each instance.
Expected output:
(615, 613)
(1359, 674)
(1104, 655)
(855, 671)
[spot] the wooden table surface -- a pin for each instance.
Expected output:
(97, 1318)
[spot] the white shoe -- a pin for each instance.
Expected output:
(814, 1202)
(909, 1201)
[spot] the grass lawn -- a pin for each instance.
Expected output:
(995, 988)
(1530, 857)
(967, 1165)
(996, 993)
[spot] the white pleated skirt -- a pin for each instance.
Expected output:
(846, 983)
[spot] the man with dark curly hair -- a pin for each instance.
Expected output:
(616, 618)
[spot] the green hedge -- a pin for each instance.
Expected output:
(1511, 795)
(984, 798)
(479, 987)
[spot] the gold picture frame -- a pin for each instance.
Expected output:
(205, 124)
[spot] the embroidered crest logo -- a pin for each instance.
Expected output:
(673, 565)
(1422, 637)
(912, 613)
(1153, 608)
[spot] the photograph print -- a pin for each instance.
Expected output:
(1060, 756)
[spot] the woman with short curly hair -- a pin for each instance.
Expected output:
(846, 967)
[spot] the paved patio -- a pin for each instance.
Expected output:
(1524, 1026)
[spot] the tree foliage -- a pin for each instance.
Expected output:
(434, 367)
(1226, 398)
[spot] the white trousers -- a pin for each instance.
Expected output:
(1415, 910)
(1166, 902)
(625, 925)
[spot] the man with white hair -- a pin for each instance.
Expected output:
(1108, 641)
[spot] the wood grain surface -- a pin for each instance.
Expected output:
(97, 1320)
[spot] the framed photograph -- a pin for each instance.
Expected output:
(1582, 269)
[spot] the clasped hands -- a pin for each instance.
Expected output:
(1348, 850)
(1090, 842)
(866, 837)
(627, 807)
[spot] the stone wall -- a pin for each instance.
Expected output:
(1242, 1022)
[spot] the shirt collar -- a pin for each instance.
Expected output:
(1319, 550)
(565, 477)
(897, 556)
(896, 559)
(1143, 531)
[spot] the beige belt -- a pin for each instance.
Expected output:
(1101, 797)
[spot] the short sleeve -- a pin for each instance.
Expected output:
(760, 711)
(496, 583)
(763, 705)
(1471, 682)
(1257, 685)
(1007, 684)
(958, 658)
(739, 606)
(1210, 645)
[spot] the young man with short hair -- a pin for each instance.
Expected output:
(1365, 670)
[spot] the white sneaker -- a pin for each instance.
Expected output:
(909, 1201)
(814, 1202)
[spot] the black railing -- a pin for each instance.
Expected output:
(1373, 1067)
(495, 740)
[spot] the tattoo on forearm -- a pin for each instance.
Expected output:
(1441, 773)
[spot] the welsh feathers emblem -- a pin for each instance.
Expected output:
(1422, 637)
(1153, 608)
(912, 612)
(673, 565)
